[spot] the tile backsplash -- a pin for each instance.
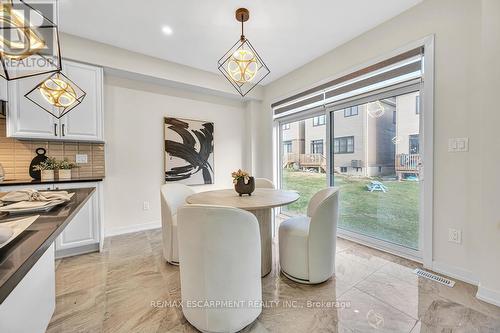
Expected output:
(16, 155)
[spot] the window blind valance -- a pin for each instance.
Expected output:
(407, 65)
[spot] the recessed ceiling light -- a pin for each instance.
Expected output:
(167, 30)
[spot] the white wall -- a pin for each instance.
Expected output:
(464, 29)
(134, 113)
(138, 64)
(487, 222)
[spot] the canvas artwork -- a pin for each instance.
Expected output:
(189, 151)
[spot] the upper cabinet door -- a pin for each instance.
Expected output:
(26, 119)
(85, 121)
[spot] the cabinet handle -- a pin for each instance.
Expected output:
(55, 129)
(63, 132)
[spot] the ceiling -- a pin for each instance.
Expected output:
(287, 34)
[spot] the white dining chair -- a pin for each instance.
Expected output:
(307, 243)
(263, 183)
(219, 249)
(172, 196)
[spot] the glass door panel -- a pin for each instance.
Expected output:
(375, 153)
(303, 160)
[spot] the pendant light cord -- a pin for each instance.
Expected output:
(242, 35)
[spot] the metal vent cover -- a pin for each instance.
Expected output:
(434, 277)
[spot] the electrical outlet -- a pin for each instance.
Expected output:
(455, 235)
(81, 158)
(145, 205)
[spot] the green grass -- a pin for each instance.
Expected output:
(391, 216)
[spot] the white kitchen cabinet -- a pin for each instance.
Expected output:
(26, 120)
(85, 122)
(84, 233)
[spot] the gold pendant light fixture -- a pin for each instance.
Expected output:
(241, 65)
(56, 95)
(29, 46)
(29, 41)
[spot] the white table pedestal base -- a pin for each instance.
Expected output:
(265, 218)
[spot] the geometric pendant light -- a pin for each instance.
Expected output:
(57, 95)
(29, 41)
(241, 65)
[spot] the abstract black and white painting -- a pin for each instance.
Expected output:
(189, 151)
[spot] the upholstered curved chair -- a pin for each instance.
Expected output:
(307, 243)
(263, 183)
(172, 197)
(219, 250)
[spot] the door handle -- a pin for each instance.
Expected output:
(62, 129)
(55, 129)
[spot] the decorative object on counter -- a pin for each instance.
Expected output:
(5, 233)
(243, 182)
(29, 201)
(29, 41)
(64, 169)
(15, 228)
(241, 65)
(39, 158)
(189, 151)
(34, 195)
(57, 95)
(46, 169)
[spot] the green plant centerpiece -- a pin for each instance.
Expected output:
(64, 168)
(47, 168)
(49, 164)
(243, 182)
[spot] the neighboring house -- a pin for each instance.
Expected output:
(407, 138)
(293, 137)
(362, 143)
(368, 140)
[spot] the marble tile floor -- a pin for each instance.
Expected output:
(129, 288)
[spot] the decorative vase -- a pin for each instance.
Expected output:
(243, 188)
(64, 173)
(39, 158)
(47, 175)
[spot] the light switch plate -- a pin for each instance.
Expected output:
(81, 158)
(458, 145)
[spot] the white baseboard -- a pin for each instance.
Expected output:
(115, 231)
(488, 295)
(455, 272)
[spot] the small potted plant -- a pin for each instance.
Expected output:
(46, 169)
(243, 182)
(64, 168)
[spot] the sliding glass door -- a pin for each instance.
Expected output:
(303, 159)
(375, 159)
(370, 148)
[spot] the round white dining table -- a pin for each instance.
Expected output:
(260, 203)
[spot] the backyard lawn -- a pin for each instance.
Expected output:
(391, 216)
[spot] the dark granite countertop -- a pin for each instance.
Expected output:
(14, 182)
(20, 255)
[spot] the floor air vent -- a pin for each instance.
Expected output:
(434, 277)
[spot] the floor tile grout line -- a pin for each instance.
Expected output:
(416, 323)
